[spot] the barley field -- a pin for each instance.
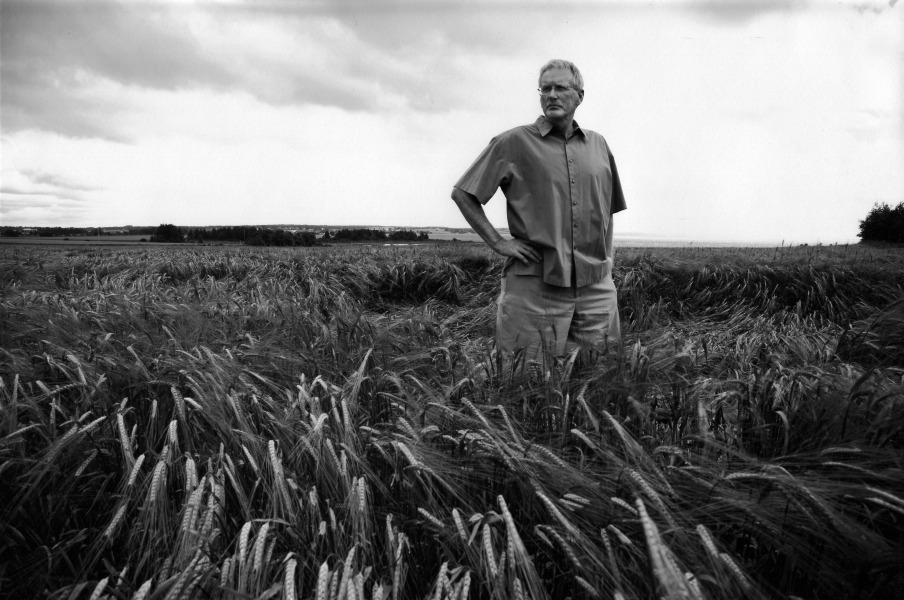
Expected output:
(334, 423)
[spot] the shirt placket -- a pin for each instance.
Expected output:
(573, 209)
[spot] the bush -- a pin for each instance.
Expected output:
(279, 237)
(167, 233)
(883, 224)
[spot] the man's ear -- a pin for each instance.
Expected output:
(580, 96)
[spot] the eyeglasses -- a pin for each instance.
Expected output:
(559, 89)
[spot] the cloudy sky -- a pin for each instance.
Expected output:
(730, 121)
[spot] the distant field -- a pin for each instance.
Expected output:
(236, 422)
(88, 239)
(628, 241)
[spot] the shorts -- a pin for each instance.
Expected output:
(535, 316)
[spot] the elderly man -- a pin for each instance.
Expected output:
(561, 188)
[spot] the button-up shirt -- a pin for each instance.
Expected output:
(560, 196)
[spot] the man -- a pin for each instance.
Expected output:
(561, 189)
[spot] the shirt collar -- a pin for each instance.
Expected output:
(545, 126)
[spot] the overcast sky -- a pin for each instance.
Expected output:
(730, 121)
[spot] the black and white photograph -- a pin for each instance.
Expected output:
(451, 299)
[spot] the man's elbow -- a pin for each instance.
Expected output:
(462, 198)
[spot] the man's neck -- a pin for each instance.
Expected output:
(564, 127)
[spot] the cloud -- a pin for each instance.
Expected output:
(54, 54)
(61, 60)
(56, 181)
(38, 208)
(32, 194)
(740, 12)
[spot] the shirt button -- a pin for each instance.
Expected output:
(571, 161)
(575, 225)
(572, 181)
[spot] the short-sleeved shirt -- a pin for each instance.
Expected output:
(560, 196)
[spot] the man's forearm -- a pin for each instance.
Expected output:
(472, 210)
(473, 213)
(610, 247)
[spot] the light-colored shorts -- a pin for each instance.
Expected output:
(534, 315)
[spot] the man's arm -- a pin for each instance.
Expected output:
(610, 248)
(473, 213)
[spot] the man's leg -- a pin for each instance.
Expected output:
(596, 315)
(533, 316)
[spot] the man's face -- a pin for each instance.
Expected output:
(556, 104)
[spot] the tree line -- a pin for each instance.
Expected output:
(883, 224)
(375, 235)
(18, 231)
(265, 236)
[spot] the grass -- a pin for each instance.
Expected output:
(335, 423)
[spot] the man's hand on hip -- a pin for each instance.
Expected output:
(517, 249)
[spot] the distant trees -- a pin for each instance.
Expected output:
(168, 233)
(242, 234)
(253, 236)
(377, 235)
(281, 237)
(883, 224)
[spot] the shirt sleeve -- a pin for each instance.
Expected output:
(618, 196)
(492, 169)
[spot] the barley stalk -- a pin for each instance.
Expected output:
(90, 427)
(347, 570)
(555, 512)
(652, 495)
(551, 456)
(621, 536)
(114, 522)
(191, 511)
(124, 439)
(99, 589)
(191, 474)
(465, 587)
(157, 481)
(592, 591)
(136, 468)
(488, 550)
(173, 433)
(440, 581)
(323, 578)
(289, 580)
(226, 572)
(735, 569)
(362, 496)
(565, 546)
(244, 535)
(708, 541)
(885, 504)
(433, 520)
(180, 403)
(460, 525)
(260, 545)
(251, 461)
(359, 585)
(334, 585)
(408, 454)
(142, 592)
(84, 465)
(611, 555)
(623, 504)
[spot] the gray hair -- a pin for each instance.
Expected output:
(564, 64)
